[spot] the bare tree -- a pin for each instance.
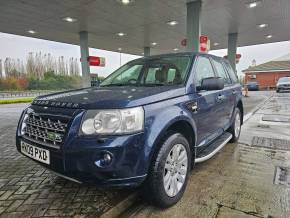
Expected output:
(30, 65)
(62, 69)
(8, 67)
(74, 67)
(37, 64)
(1, 69)
(70, 63)
(19, 67)
(22, 68)
(49, 63)
(12, 67)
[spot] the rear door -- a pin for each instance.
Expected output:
(236, 86)
(225, 97)
(205, 115)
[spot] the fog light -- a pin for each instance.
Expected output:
(105, 160)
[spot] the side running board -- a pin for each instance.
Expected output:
(213, 148)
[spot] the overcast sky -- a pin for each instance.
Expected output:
(18, 47)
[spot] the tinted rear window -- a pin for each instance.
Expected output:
(231, 72)
(221, 71)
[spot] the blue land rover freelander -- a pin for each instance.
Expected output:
(147, 124)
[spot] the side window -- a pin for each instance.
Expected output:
(221, 71)
(231, 72)
(203, 70)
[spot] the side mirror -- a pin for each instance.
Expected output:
(212, 83)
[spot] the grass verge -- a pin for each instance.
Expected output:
(15, 100)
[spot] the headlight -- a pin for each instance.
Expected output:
(113, 121)
(23, 125)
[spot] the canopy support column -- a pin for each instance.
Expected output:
(232, 49)
(86, 78)
(146, 51)
(193, 22)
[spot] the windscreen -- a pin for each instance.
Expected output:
(284, 79)
(159, 71)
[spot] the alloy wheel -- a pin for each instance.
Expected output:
(175, 170)
(237, 125)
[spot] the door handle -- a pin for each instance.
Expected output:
(220, 98)
(234, 92)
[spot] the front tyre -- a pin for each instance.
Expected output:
(169, 173)
(235, 128)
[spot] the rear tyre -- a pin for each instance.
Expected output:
(169, 172)
(235, 128)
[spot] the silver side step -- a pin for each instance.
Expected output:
(225, 139)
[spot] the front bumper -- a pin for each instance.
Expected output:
(76, 158)
(283, 88)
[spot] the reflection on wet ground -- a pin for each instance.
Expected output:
(238, 182)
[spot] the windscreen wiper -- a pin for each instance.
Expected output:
(117, 84)
(154, 84)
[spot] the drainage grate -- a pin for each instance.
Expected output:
(282, 176)
(279, 144)
(276, 118)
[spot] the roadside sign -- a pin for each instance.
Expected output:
(183, 42)
(97, 61)
(203, 41)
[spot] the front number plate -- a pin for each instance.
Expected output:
(36, 153)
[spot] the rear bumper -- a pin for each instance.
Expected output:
(253, 88)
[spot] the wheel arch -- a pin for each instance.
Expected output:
(182, 126)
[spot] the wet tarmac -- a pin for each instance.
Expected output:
(243, 179)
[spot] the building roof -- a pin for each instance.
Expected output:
(279, 64)
(283, 58)
(144, 22)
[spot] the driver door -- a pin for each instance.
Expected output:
(205, 116)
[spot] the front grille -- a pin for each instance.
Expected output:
(49, 131)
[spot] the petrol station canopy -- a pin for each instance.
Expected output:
(112, 24)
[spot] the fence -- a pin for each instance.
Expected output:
(19, 94)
